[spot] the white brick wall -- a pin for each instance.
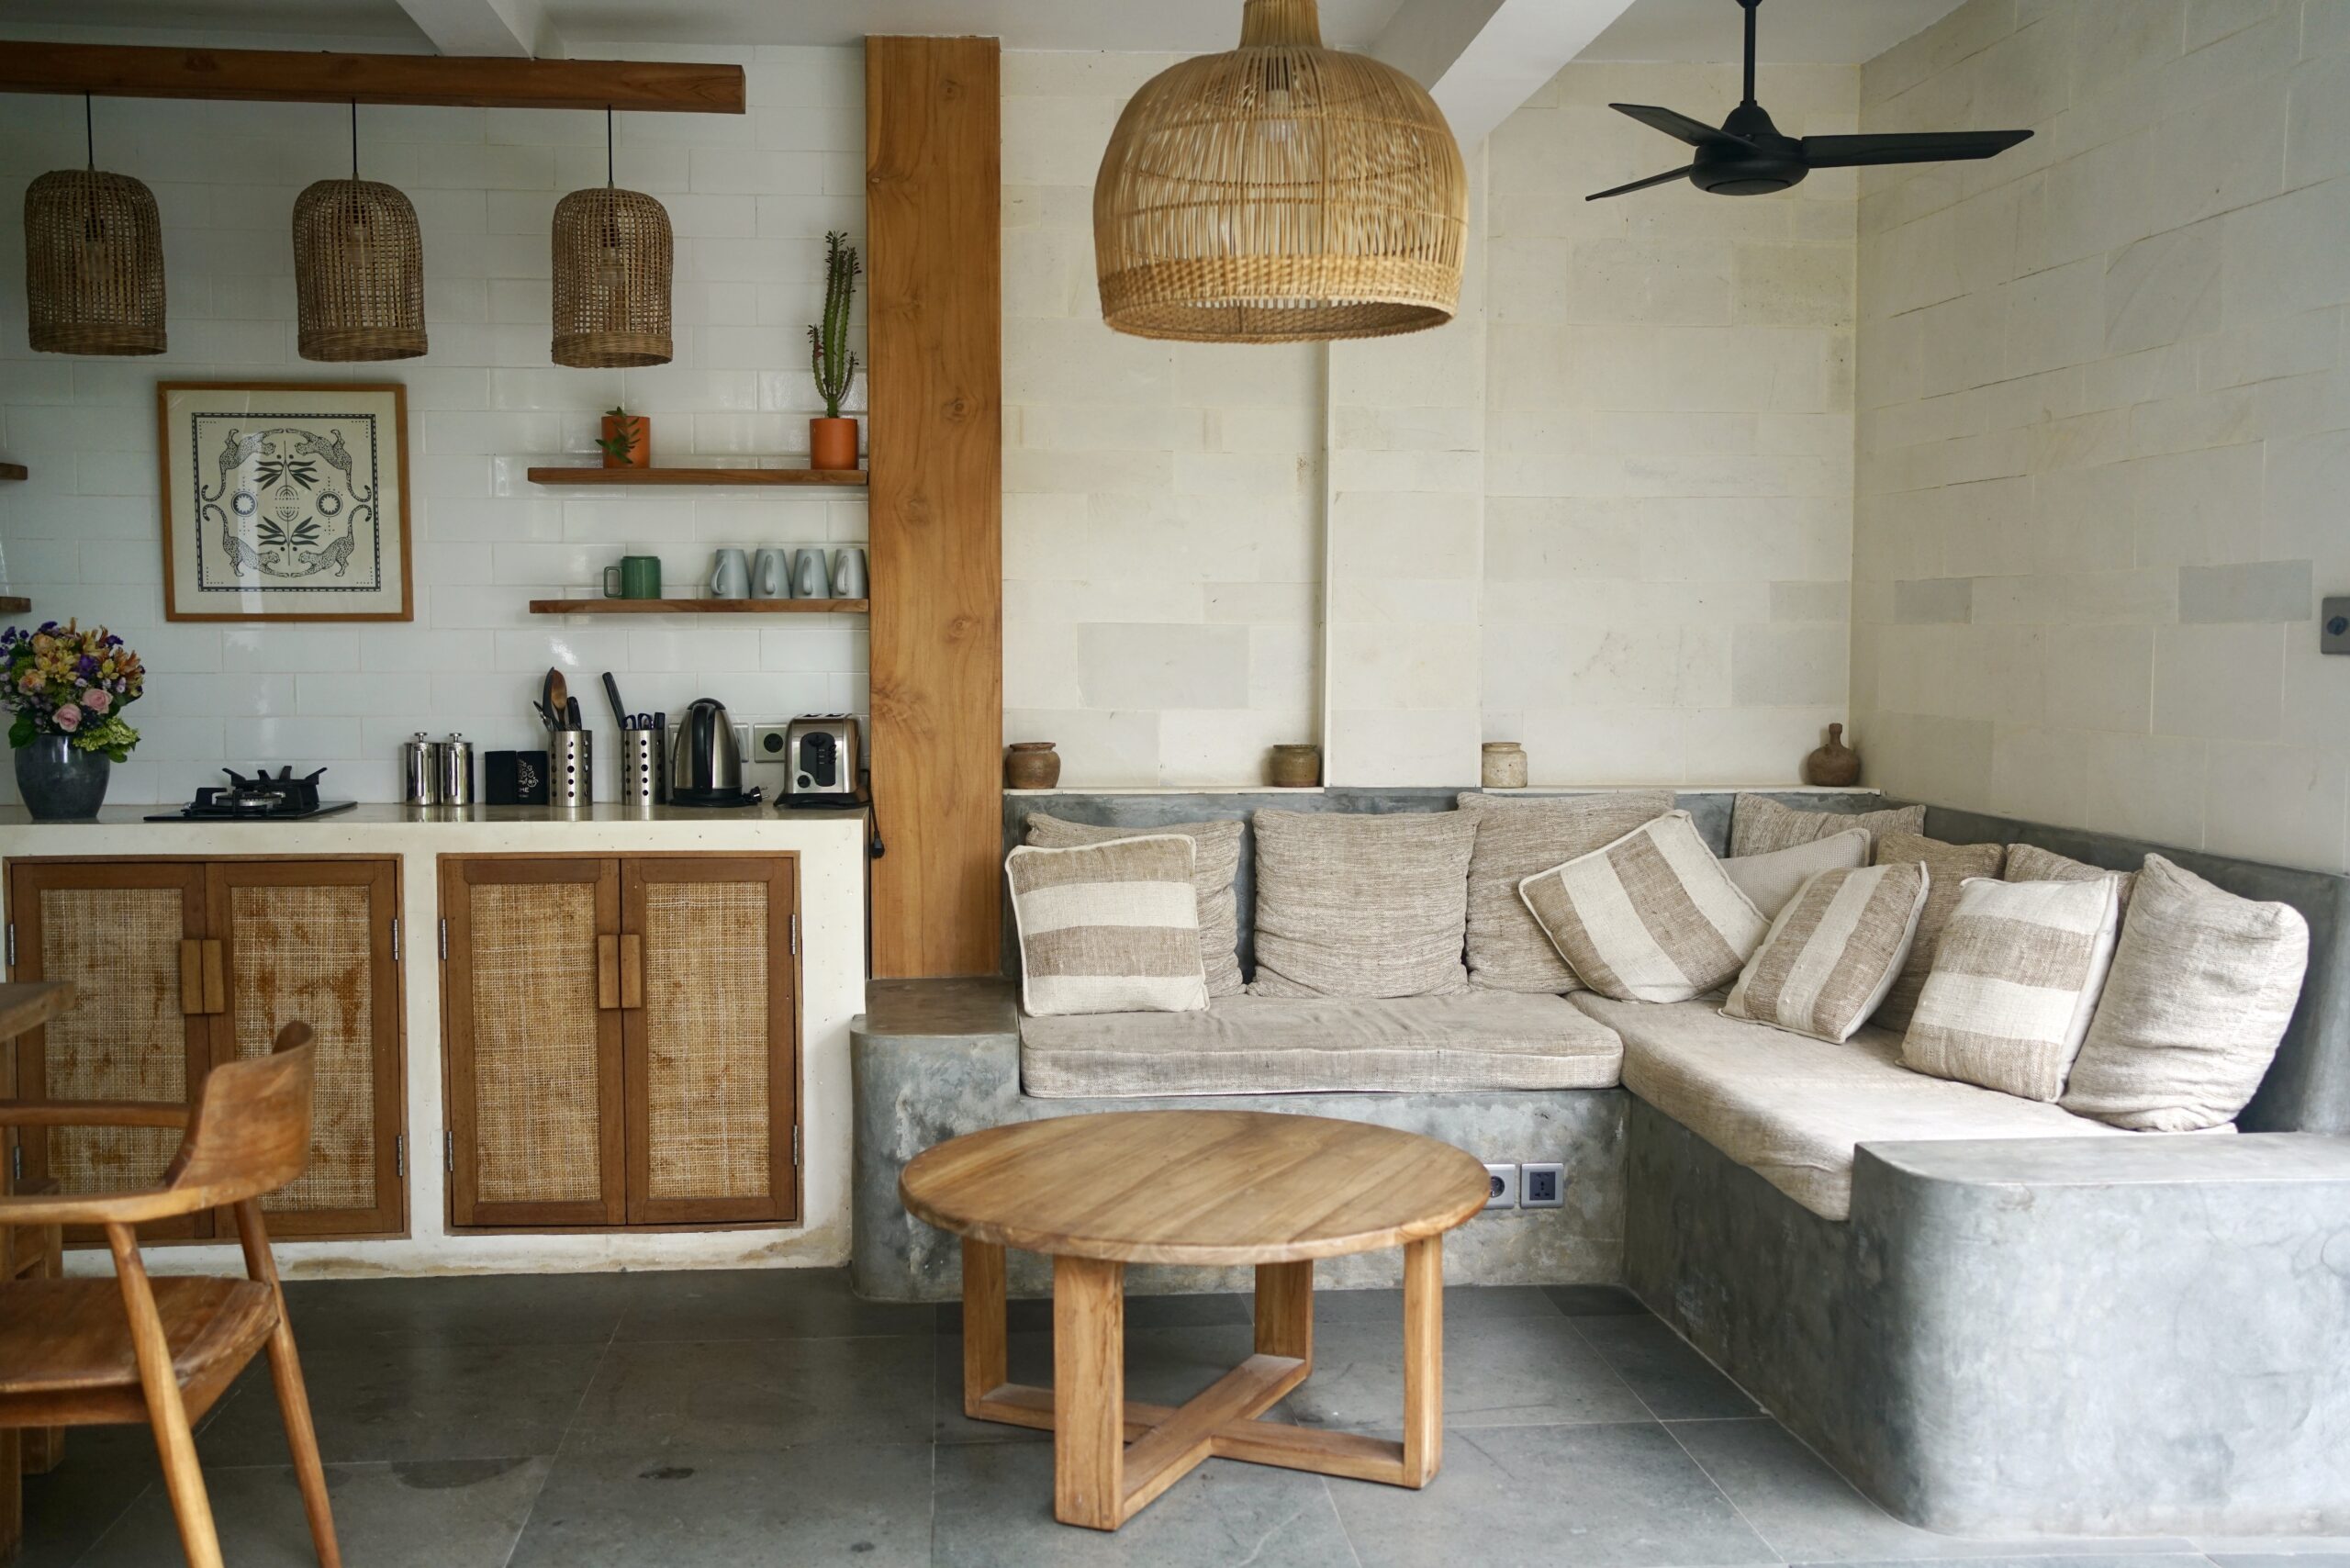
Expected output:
(750, 197)
(2104, 429)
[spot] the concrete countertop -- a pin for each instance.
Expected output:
(382, 828)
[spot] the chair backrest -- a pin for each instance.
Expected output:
(250, 1132)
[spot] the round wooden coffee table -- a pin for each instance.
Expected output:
(1099, 1191)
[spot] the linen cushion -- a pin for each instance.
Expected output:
(1108, 928)
(1262, 1045)
(2014, 985)
(1215, 861)
(1760, 824)
(1516, 838)
(2202, 987)
(1793, 1109)
(1832, 951)
(1353, 905)
(1651, 917)
(2028, 863)
(1947, 866)
(1771, 878)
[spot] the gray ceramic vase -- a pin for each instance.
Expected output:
(59, 783)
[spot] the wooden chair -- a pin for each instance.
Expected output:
(84, 1353)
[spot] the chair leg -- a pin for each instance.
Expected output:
(293, 1397)
(166, 1411)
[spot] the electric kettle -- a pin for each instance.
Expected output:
(705, 763)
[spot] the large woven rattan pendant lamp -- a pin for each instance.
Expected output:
(358, 269)
(1281, 193)
(614, 257)
(94, 260)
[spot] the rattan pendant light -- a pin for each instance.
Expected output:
(614, 257)
(358, 269)
(94, 260)
(1281, 193)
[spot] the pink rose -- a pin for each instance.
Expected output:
(97, 701)
(69, 718)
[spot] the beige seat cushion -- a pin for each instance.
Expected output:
(1364, 905)
(1794, 1109)
(1760, 824)
(1216, 862)
(1250, 1045)
(1516, 838)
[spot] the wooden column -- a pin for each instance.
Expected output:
(933, 255)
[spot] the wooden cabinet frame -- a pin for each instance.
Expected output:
(624, 994)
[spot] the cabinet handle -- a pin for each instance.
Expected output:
(632, 971)
(191, 976)
(216, 976)
(608, 972)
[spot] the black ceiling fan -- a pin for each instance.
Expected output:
(1749, 157)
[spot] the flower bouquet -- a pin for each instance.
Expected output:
(62, 680)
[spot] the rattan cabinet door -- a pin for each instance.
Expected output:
(311, 942)
(531, 1019)
(712, 1053)
(122, 933)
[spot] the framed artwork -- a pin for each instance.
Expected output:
(285, 502)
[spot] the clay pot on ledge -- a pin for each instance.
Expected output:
(1835, 765)
(1029, 764)
(1504, 765)
(637, 451)
(832, 444)
(1295, 767)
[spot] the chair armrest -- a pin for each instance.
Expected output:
(113, 1208)
(92, 1114)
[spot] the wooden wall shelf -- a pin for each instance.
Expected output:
(699, 605)
(15, 604)
(820, 476)
(13, 471)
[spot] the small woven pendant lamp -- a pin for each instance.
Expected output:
(614, 257)
(94, 260)
(1281, 193)
(358, 269)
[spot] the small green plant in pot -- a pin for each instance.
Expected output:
(832, 440)
(68, 689)
(627, 441)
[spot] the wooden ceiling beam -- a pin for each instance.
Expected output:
(118, 71)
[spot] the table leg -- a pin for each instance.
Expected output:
(1423, 1359)
(12, 1496)
(1285, 1310)
(985, 1362)
(1088, 1392)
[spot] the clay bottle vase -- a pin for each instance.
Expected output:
(1835, 765)
(832, 444)
(638, 454)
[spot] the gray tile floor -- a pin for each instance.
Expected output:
(719, 1420)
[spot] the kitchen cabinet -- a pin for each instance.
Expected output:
(181, 964)
(623, 1040)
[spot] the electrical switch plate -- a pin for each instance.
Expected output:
(1542, 1186)
(767, 743)
(1501, 1187)
(2333, 627)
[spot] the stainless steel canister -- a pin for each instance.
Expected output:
(572, 762)
(419, 771)
(644, 768)
(453, 765)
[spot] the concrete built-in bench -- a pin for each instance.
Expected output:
(1992, 1314)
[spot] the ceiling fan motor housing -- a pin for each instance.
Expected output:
(1772, 164)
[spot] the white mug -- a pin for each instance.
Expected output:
(771, 574)
(729, 575)
(810, 579)
(848, 575)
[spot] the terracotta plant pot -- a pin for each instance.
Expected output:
(638, 454)
(1835, 765)
(1029, 765)
(832, 444)
(1295, 767)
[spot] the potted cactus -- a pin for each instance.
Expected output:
(832, 440)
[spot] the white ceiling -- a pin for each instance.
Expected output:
(1832, 31)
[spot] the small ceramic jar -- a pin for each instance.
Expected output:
(1031, 765)
(1504, 766)
(1295, 767)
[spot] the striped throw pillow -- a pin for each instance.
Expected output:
(1107, 928)
(1833, 952)
(1651, 917)
(2015, 982)
(1948, 867)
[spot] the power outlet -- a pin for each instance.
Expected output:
(769, 743)
(1500, 1186)
(1542, 1186)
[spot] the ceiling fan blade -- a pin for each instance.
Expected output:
(1906, 146)
(1665, 178)
(1696, 133)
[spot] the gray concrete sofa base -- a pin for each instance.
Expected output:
(2103, 1335)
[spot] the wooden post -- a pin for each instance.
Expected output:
(1089, 1393)
(1423, 1359)
(934, 260)
(986, 1364)
(1285, 1310)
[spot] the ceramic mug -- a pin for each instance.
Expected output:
(729, 575)
(636, 576)
(809, 578)
(848, 575)
(771, 574)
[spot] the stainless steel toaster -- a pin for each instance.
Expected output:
(823, 759)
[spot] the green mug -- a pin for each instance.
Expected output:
(636, 576)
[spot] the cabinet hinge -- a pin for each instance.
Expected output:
(399, 1154)
(795, 935)
(448, 1151)
(445, 941)
(395, 938)
(795, 1148)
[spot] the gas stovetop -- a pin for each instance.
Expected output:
(260, 798)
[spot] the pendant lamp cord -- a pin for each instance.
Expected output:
(608, 147)
(354, 139)
(90, 131)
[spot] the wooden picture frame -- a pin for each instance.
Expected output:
(305, 518)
